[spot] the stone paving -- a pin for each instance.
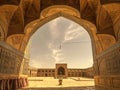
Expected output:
(49, 83)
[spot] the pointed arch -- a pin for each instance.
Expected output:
(32, 27)
(61, 71)
(89, 27)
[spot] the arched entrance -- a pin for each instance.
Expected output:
(106, 63)
(89, 27)
(61, 71)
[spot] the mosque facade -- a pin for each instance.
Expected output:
(61, 70)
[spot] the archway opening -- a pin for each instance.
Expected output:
(61, 71)
(58, 37)
(62, 41)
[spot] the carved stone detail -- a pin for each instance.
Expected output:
(10, 61)
(59, 9)
(15, 40)
(109, 60)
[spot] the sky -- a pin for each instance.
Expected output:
(61, 41)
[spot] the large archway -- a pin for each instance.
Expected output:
(96, 44)
(89, 27)
(105, 40)
(59, 40)
(52, 44)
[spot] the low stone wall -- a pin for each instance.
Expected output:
(88, 72)
(107, 67)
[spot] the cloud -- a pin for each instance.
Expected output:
(53, 46)
(53, 28)
(57, 53)
(73, 32)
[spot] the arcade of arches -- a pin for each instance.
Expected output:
(19, 19)
(61, 71)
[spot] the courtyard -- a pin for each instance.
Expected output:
(76, 83)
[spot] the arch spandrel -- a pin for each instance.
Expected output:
(114, 11)
(106, 40)
(15, 40)
(104, 22)
(89, 9)
(16, 24)
(31, 10)
(6, 12)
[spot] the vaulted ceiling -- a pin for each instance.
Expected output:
(16, 14)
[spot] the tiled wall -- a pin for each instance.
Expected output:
(108, 62)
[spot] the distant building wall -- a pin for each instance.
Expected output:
(69, 72)
(74, 72)
(46, 72)
(88, 72)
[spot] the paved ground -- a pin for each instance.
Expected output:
(49, 83)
